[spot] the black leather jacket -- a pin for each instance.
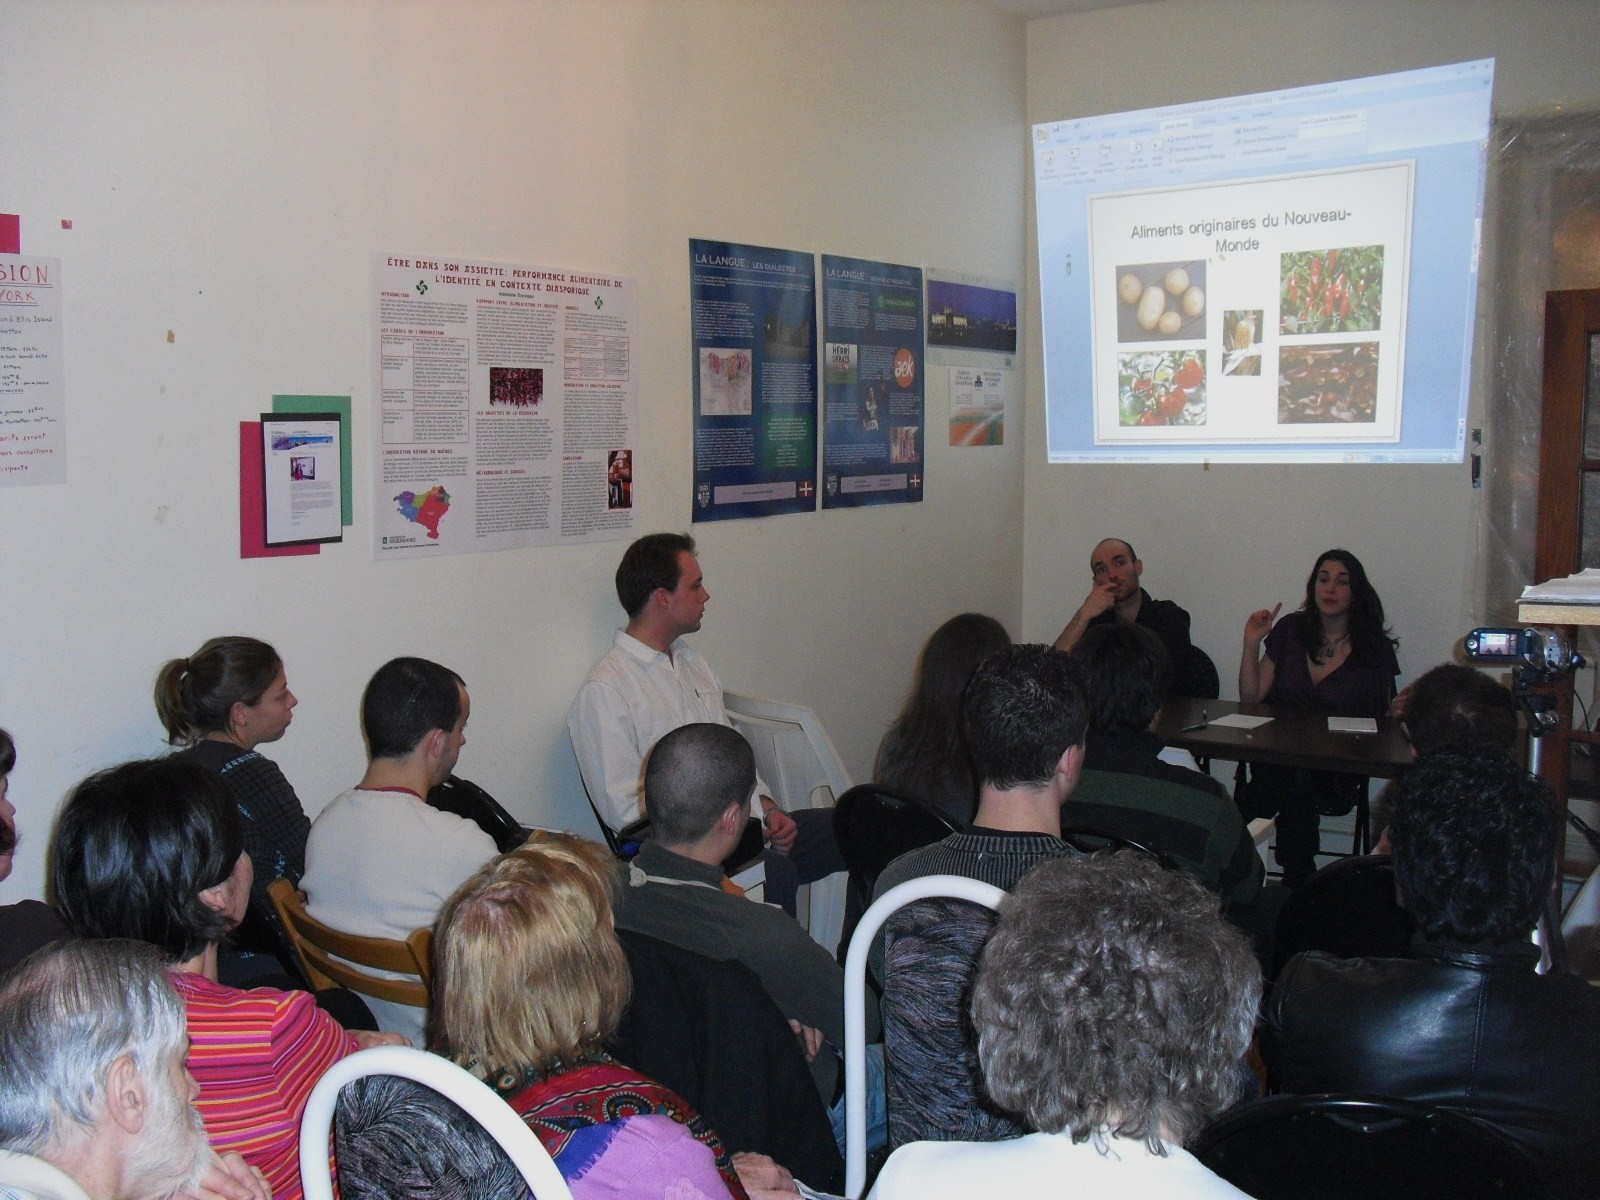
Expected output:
(1475, 1030)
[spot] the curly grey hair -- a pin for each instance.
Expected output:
(1113, 997)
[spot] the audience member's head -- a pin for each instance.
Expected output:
(230, 683)
(8, 814)
(528, 971)
(152, 850)
(693, 776)
(398, 1140)
(651, 562)
(405, 701)
(1126, 672)
(1023, 709)
(1474, 842)
(1457, 708)
(1113, 995)
(92, 1079)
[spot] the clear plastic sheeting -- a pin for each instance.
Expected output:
(1544, 210)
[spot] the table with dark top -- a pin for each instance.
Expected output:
(1293, 738)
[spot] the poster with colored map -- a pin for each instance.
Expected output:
(507, 400)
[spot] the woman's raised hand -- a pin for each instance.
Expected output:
(1259, 623)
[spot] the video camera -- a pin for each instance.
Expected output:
(1548, 654)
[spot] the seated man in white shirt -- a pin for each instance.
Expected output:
(379, 861)
(97, 1102)
(652, 682)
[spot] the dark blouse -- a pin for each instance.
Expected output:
(1356, 688)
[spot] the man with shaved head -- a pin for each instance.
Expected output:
(697, 783)
(1118, 596)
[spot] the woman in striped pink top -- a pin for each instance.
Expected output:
(154, 850)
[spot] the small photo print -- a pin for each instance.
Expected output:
(724, 382)
(1161, 302)
(1328, 384)
(1161, 387)
(302, 467)
(1241, 341)
(903, 444)
(840, 363)
(1339, 290)
(619, 479)
(787, 339)
(516, 387)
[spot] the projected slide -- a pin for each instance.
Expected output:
(1282, 277)
(1306, 356)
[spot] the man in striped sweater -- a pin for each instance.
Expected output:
(1024, 715)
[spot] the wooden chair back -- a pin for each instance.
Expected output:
(320, 949)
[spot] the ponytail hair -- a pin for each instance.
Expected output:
(195, 695)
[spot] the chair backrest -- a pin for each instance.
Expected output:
(1581, 928)
(1347, 909)
(800, 763)
(1092, 838)
(709, 1031)
(1196, 675)
(497, 1118)
(1322, 1147)
(874, 825)
(933, 1081)
(320, 949)
(855, 1000)
(465, 799)
(794, 753)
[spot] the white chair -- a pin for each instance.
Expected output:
(499, 1120)
(797, 758)
(855, 1003)
(1580, 928)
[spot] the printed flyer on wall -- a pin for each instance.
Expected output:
(507, 405)
(872, 332)
(33, 408)
(753, 317)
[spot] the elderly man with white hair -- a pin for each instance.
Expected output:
(95, 1100)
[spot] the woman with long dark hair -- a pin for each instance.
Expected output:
(1335, 655)
(923, 752)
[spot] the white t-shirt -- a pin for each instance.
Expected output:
(382, 864)
(1050, 1164)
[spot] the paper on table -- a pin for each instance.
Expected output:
(1239, 721)
(1352, 725)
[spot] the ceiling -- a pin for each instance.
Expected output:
(1029, 9)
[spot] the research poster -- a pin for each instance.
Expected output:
(33, 407)
(754, 366)
(508, 401)
(1272, 310)
(873, 381)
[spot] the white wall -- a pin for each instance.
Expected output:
(228, 168)
(1232, 538)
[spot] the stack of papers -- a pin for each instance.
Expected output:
(1582, 588)
(1352, 725)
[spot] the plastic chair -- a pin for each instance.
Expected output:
(799, 761)
(320, 949)
(855, 1001)
(1347, 909)
(1335, 1147)
(498, 1119)
(1581, 928)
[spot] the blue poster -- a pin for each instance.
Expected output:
(753, 327)
(872, 331)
